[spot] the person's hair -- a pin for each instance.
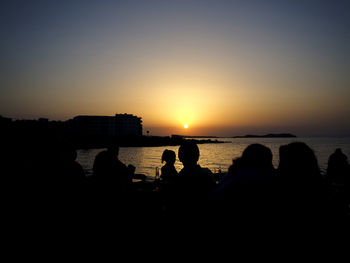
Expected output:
(168, 156)
(337, 162)
(257, 156)
(113, 149)
(297, 158)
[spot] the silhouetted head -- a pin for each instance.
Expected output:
(258, 157)
(338, 157)
(235, 166)
(101, 163)
(113, 150)
(337, 162)
(169, 156)
(298, 159)
(189, 153)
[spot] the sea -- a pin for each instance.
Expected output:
(215, 156)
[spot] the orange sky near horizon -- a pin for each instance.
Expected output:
(223, 67)
(210, 101)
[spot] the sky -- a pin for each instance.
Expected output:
(224, 68)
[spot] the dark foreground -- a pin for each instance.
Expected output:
(39, 196)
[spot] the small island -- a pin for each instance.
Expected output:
(270, 135)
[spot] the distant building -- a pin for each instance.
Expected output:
(93, 125)
(118, 125)
(128, 124)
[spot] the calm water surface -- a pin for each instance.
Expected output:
(214, 156)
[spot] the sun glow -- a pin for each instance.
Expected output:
(186, 126)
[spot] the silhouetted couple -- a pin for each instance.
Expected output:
(188, 191)
(295, 193)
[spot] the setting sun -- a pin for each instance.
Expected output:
(186, 126)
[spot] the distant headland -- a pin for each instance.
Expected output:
(84, 132)
(88, 132)
(270, 135)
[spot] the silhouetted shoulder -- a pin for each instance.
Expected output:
(196, 171)
(120, 165)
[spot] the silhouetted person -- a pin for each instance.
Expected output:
(110, 173)
(256, 157)
(112, 185)
(194, 183)
(71, 173)
(247, 191)
(66, 179)
(338, 175)
(303, 190)
(338, 167)
(168, 171)
(298, 162)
